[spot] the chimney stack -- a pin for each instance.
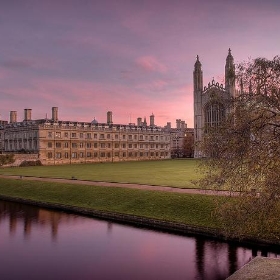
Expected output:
(139, 121)
(152, 120)
(178, 123)
(13, 116)
(55, 114)
(168, 125)
(183, 125)
(109, 117)
(27, 114)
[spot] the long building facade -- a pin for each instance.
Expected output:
(65, 142)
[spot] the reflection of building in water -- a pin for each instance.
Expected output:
(50, 218)
(13, 223)
(31, 215)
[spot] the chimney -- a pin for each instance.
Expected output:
(183, 125)
(178, 123)
(139, 121)
(27, 114)
(55, 114)
(152, 120)
(13, 116)
(168, 125)
(145, 122)
(109, 117)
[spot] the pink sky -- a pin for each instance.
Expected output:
(133, 58)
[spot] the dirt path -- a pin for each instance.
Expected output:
(117, 185)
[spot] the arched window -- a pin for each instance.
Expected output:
(214, 113)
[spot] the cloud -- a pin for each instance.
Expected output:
(150, 64)
(17, 63)
(28, 62)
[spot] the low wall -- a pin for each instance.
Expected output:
(19, 158)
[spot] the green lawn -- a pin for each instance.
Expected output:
(176, 173)
(185, 208)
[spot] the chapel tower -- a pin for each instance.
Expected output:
(198, 88)
(230, 75)
(210, 106)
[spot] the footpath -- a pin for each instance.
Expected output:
(117, 185)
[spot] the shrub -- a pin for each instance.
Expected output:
(30, 163)
(6, 159)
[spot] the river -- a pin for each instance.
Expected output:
(38, 243)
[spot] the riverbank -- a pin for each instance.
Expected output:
(174, 212)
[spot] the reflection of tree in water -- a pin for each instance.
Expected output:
(199, 251)
(216, 253)
(109, 227)
(232, 258)
(264, 253)
(220, 259)
(31, 215)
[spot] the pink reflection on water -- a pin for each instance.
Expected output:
(43, 244)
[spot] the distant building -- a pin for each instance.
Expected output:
(181, 139)
(66, 142)
(2, 124)
(210, 101)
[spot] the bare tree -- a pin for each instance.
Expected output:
(242, 155)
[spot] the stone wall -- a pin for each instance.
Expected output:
(19, 158)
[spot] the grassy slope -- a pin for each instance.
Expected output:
(176, 173)
(185, 208)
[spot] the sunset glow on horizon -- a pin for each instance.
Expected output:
(133, 58)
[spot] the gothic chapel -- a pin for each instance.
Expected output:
(209, 101)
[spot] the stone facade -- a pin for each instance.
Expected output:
(2, 125)
(66, 142)
(210, 101)
(178, 138)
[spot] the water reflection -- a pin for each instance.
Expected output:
(45, 244)
(30, 216)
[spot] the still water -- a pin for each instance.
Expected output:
(37, 243)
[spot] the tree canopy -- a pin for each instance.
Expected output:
(242, 155)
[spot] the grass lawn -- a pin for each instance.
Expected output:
(190, 209)
(175, 172)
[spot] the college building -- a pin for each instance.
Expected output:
(64, 142)
(210, 101)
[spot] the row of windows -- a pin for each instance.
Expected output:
(103, 136)
(104, 145)
(21, 145)
(214, 114)
(24, 135)
(76, 155)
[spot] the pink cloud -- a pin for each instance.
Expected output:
(19, 63)
(156, 86)
(181, 106)
(89, 42)
(151, 64)
(81, 100)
